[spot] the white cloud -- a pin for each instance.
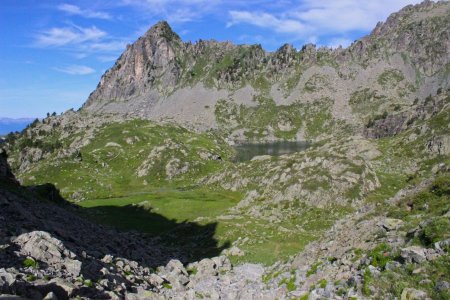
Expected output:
(69, 8)
(184, 32)
(346, 15)
(182, 15)
(76, 70)
(87, 13)
(336, 42)
(327, 20)
(106, 46)
(175, 11)
(61, 36)
(81, 41)
(265, 20)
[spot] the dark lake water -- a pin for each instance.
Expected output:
(246, 151)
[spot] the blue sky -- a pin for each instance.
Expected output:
(53, 53)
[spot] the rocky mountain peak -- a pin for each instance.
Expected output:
(147, 62)
(286, 48)
(160, 30)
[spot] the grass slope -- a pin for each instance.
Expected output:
(105, 180)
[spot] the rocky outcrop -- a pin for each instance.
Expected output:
(41, 246)
(392, 124)
(389, 126)
(5, 170)
(401, 35)
(145, 63)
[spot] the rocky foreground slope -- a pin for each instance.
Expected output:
(47, 250)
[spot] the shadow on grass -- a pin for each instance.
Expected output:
(186, 241)
(195, 241)
(41, 208)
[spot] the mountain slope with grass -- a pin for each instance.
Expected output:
(359, 211)
(251, 93)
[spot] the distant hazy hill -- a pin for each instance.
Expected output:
(8, 124)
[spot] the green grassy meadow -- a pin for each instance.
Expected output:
(104, 181)
(164, 211)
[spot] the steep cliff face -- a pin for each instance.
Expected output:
(152, 57)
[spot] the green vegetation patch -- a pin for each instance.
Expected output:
(394, 281)
(390, 78)
(313, 269)
(381, 255)
(289, 282)
(367, 280)
(292, 81)
(430, 204)
(262, 84)
(424, 218)
(161, 210)
(284, 120)
(30, 263)
(316, 83)
(366, 101)
(323, 283)
(133, 157)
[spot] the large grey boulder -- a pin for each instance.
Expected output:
(6, 279)
(67, 286)
(413, 294)
(390, 224)
(234, 251)
(175, 273)
(41, 246)
(413, 254)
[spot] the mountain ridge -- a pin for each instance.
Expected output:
(160, 77)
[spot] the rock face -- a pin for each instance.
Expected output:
(389, 126)
(392, 124)
(5, 170)
(150, 58)
(159, 76)
(41, 246)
